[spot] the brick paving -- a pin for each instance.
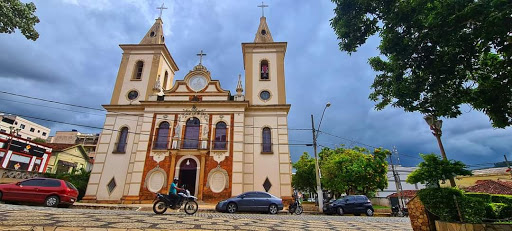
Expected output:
(16, 217)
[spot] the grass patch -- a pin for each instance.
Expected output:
(381, 207)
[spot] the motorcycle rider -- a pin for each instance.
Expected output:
(173, 191)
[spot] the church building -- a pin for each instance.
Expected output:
(216, 143)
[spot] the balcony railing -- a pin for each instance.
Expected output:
(219, 145)
(190, 144)
(160, 145)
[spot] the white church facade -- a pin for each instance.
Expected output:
(217, 144)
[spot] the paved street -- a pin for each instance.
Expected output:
(19, 217)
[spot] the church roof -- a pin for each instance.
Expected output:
(155, 34)
(263, 34)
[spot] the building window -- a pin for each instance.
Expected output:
(44, 133)
(28, 138)
(7, 120)
(111, 185)
(192, 134)
(32, 130)
(166, 78)
(2, 130)
(138, 70)
(22, 126)
(264, 70)
(121, 143)
(162, 135)
(266, 141)
(220, 136)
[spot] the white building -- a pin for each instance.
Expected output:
(403, 172)
(28, 129)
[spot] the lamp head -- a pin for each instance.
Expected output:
(328, 104)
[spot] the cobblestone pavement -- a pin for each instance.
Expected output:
(20, 217)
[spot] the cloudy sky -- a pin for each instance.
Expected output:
(76, 59)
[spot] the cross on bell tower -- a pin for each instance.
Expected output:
(263, 9)
(201, 54)
(162, 8)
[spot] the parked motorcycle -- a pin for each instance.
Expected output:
(163, 202)
(295, 207)
(397, 212)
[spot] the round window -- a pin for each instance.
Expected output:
(263, 32)
(265, 95)
(152, 34)
(133, 95)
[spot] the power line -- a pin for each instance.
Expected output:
(118, 113)
(137, 133)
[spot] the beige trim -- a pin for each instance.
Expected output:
(281, 89)
(119, 81)
(159, 48)
(248, 75)
(153, 75)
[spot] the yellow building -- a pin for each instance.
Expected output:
(216, 143)
(67, 158)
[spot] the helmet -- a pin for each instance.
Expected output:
(176, 180)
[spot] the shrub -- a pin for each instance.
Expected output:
(505, 199)
(484, 196)
(439, 201)
(472, 209)
(79, 179)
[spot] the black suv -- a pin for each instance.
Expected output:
(354, 204)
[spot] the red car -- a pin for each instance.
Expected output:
(51, 192)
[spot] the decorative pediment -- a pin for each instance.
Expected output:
(197, 86)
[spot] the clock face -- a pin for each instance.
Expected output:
(133, 95)
(197, 82)
(265, 95)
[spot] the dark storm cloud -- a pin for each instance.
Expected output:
(77, 57)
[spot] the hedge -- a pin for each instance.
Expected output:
(484, 196)
(440, 202)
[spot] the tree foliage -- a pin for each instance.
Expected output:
(438, 54)
(433, 169)
(17, 15)
(304, 178)
(79, 178)
(39, 140)
(354, 171)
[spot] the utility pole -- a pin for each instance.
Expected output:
(398, 184)
(506, 161)
(317, 169)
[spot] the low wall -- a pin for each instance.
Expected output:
(420, 221)
(11, 175)
(448, 226)
(382, 201)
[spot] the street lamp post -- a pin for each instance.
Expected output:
(317, 167)
(436, 125)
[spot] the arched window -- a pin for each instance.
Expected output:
(138, 70)
(191, 140)
(220, 136)
(162, 135)
(264, 70)
(266, 141)
(121, 142)
(166, 78)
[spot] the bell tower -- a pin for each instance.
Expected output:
(146, 68)
(264, 67)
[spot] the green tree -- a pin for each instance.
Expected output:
(434, 169)
(17, 15)
(354, 171)
(438, 54)
(304, 178)
(39, 140)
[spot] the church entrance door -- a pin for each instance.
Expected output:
(188, 175)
